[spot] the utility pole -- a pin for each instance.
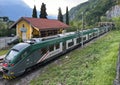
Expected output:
(82, 28)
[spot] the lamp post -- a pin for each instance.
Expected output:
(82, 28)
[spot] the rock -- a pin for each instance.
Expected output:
(113, 12)
(66, 56)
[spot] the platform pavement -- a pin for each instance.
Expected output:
(1, 57)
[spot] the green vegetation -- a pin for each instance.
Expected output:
(117, 22)
(92, 65)
(43, 13)
(3, 52)
(5, 23)
(60, 16)
(67, 16)
(92, 10)
(34, 13)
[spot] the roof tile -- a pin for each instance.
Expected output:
(42, 23)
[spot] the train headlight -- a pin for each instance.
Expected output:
(12, 64)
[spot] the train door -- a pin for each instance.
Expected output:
(64, 46)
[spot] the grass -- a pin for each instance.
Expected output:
(3, 52)
(92, 65)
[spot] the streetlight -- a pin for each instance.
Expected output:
(82, 28)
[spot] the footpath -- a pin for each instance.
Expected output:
(117, 79)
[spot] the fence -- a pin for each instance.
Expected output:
(4, 41)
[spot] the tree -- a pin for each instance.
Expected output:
(60, 16)
(116, 21)
(103, 19)
(34, 15)
(67, 16)
(43, 13)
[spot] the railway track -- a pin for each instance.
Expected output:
(1, 73)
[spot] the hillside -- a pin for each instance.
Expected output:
(14, 9)
(92, 10)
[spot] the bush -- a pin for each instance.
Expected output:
(117, 22)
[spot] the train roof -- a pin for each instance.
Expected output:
(20, 46)
(60, 37)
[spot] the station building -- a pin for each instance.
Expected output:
(27, 28)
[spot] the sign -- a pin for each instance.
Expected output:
(23, 30)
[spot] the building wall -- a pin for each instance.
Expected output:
(27, 26)
(33, 32)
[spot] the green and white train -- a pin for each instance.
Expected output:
(38, 50)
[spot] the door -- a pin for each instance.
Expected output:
(24, 36)
(64, 46)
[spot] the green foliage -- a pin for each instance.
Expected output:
(104, 19)
(4, 29)
(117, 1)
(3, 25)
(60, 16)
(67, 16)
(3, 52)
(117, 22)
(43, 13)
(77, 25)
(92, 65)
(71, 29)
(34, 14)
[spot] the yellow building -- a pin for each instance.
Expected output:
(27, 28)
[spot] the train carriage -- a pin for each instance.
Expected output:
(37, 50)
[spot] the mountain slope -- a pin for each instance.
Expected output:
(92, 10)
(14, 9)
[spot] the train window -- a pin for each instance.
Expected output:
(70, 44)
(43, 50)
(57, 46)
(17, 60)
(90, 36)
(84, 38)
(24, 54)
(11, 55)
(51, 48)
(78, 40)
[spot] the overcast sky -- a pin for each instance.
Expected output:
(53, 5)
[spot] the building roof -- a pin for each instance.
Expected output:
(42, 23)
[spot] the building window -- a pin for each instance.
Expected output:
(48, 33)
(23, 25)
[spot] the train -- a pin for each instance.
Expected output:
(39, 50)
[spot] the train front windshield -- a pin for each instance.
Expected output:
(10, 56)
(15, 50)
